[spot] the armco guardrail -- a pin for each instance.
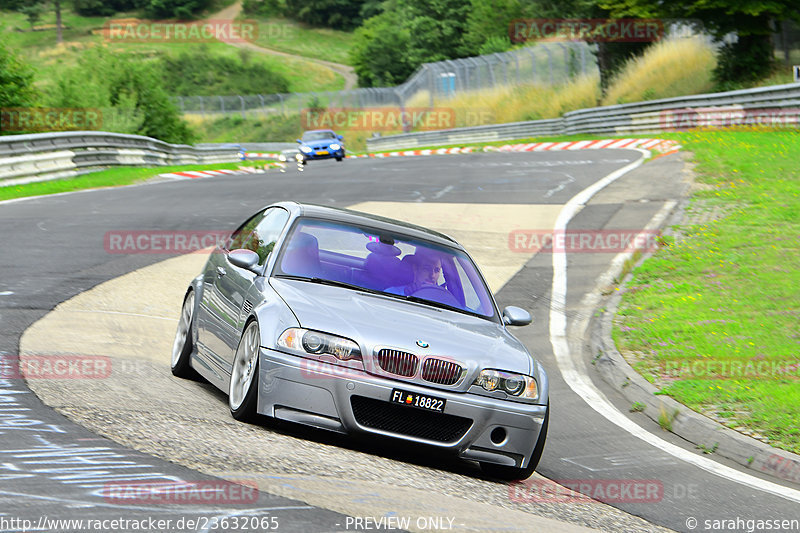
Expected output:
(45, 156)
(774, 105)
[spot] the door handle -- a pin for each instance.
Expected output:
(221, 271)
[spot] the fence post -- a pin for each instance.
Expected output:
(241, 100)
(431, 85)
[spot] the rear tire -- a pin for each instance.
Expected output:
(183, 346)
(513, 473)
(243, 390)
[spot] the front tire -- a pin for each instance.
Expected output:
(183, 346)
(512, 473)
(243, 390)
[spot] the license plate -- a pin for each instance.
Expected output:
(322, 152)
(420, 401)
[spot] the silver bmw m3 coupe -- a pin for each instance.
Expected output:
(356, 323)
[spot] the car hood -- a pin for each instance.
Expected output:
(376, 321)
(321, 143)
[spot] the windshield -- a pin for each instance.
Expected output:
(318, 135)
(384, 262)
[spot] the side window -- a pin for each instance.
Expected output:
(260, 233)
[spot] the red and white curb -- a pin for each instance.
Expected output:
(197, 174)
(658, 145)
(663, 146)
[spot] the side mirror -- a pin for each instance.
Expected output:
(340, 137)
(246, 259)
(516, 316)
(299, 141)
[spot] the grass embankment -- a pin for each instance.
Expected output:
(39, 49)
(113, 177)
(712, 318)
(298, 39)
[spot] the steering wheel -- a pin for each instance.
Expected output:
(436, 293)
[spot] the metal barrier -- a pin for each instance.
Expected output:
(777, 105)
(46, 156)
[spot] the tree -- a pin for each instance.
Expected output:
(436, 29)
(104, 8)
(59, 29)
(336, 14)
(33, 12)
(488, 22)
(16, 82)
(752, 22)
(180, 9)
(129, 93)
(379, 53)
(390, 46)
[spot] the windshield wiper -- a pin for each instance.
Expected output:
(331, 282)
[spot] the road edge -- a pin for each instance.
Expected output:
(704, 433)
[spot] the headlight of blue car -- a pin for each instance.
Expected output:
(335, 146)
(305, 149)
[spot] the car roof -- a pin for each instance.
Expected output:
(375, 221)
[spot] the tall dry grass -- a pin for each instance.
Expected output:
(670, 68)
(504, 104)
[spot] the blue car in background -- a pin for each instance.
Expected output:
(321, 144)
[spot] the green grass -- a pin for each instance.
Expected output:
(298, 39)
(113, 177)
(727, 292)
(38, 49)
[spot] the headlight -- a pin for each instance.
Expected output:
(516, 385)
(305, 149)
(335, 146)
(304, 341)
(281, 157)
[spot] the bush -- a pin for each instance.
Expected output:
(748, 59)
(16, 81)
(180, 9)
(198, 72)
(103, 8)
(128, 92)
(670, 68)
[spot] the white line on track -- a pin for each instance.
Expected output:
(581, 383)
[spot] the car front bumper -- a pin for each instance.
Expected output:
(345, 400)
(329, 155)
